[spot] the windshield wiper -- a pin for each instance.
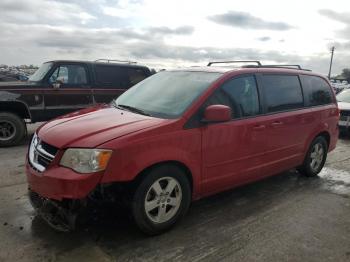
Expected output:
(132, 109)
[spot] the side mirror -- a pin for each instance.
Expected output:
(217, 113)
(57, 84)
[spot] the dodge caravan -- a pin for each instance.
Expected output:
(179, 136)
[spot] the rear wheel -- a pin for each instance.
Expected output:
(12, 129)
(161, 199)
(315, 158)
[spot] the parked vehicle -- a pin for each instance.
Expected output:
(7, 78)
(60, 87)
(179, 136)
(344, 107)
(339, 86)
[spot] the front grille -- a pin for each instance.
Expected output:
(343, 118)
(345, 113)
(49, 148)
(43, 160)
(41, 154)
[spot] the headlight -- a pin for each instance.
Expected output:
(84, 160)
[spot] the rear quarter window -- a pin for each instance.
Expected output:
(317, 91)
(118, 77)
(282, 92)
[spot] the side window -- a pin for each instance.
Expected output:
(136, 75)
(282, 92)
(70, 75)
(118, 76)
(240, 94)
(317, 91)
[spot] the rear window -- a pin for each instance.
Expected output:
(282, 92)
(118, 77)
(317, 91)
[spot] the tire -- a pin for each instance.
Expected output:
(12, 129)
(165, 207)
(315, 157)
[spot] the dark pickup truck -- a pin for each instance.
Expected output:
(60, 87)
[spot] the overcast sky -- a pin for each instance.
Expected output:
(171, 33)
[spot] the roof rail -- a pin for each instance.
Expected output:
(114, 60)
(296, 66)
(235, 61)
(286, 67)
(259, 65)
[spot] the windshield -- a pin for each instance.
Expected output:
(166, 94)
(40, 73)
(344, 96)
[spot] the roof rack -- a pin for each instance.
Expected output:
(287, 66)
(259, 65)
(235, 61)
(114, 60)
(298, 67)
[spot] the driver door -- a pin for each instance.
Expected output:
(69, 89)
(232, 152)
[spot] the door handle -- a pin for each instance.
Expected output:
(276, 124)
(259, 127)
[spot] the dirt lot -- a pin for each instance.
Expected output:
(283, 218)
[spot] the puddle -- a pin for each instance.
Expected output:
(338, 181)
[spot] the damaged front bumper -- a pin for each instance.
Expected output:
(66, 215)
(60, 215)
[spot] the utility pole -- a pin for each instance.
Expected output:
(330, 65)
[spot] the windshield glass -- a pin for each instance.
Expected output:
(344, 96)
(40, 73)
(166, 94)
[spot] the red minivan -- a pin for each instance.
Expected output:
(178, 136)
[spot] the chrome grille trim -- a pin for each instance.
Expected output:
(41, 150)
(39, 158)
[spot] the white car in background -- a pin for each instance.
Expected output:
(343, 99)
(339, 86)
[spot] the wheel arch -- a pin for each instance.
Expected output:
(16, 107)
(326, 135)
(176, 163)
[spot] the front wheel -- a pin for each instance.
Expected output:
(12, 129)
(161, 199)
(315, 158)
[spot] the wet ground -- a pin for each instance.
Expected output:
(284, 218)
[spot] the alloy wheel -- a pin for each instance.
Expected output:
(316, 156)
(163, 199)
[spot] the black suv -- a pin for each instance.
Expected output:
(60, 87)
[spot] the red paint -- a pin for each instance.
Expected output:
(219, 156)
(217, 113)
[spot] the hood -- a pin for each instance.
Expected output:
(94, 126)
(344, 106)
